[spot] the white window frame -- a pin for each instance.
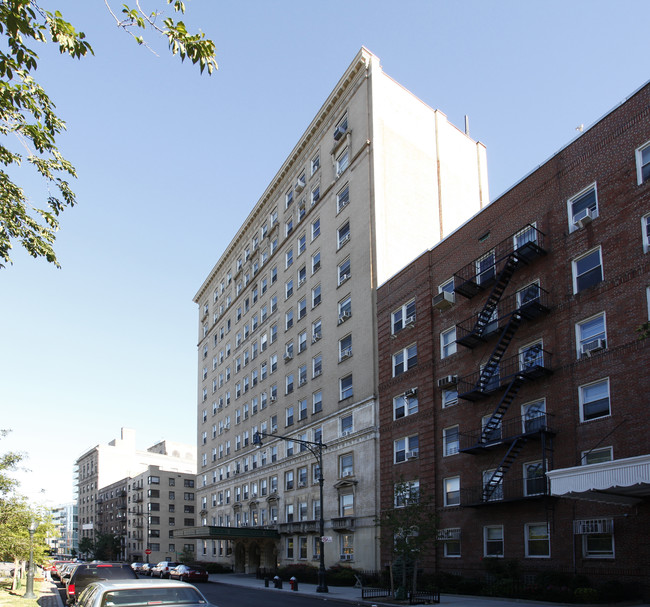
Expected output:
(406, 444)
(642, 151)
(449, 397)
(576, 198)
(448, 346)
(487, 538)
(574, 267)
(607, 452)
(344, 271)
(345, 390)
(343, 198)
(525, 468)
(532, 412)
(645, 232)
(451, 441)
(405, 359)
(582, 339)
(405, 405)
(528, 527)
(399, 317)
(451, 486)
(590, 554)
(343, 235)
(342, 162)
(581, 397)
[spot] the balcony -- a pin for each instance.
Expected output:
(473, 387)
(531, 427)
(531, 302)
(343, 523)
(525, 246)
(511, 490)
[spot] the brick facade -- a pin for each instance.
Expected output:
(611, 375)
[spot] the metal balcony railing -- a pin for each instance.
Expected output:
(510, 490)
(523, 425)
(470, 387)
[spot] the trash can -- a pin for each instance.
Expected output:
(266, 581)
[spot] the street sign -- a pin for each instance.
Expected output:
(147, 551)
(326, 538)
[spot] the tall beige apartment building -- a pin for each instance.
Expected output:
(287, 325)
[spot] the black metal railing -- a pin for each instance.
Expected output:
(512, 489)
(470, 387)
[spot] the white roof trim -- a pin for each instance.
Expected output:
(626, 472)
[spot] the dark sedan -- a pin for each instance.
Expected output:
(189, 573)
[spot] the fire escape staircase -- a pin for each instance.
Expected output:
(495, 480)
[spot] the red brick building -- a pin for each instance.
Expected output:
(513, 383)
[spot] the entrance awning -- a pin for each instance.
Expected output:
(225, 533)
(622, 481)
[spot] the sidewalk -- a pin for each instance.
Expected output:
(353, 595)
(49, 595)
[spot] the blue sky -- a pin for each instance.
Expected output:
(170, 163)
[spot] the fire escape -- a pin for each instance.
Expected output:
(500, 317)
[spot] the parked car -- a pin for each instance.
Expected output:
(136, 566)
(141, 592)
(189, 573)
(58, 567)
(66, 571)
(145, 569)
(161, 570)
(91, 572)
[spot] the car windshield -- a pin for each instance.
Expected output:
(153, 596)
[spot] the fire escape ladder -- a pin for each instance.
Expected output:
(494, 423)
(485, 315)
(495, 480)
(499, 350)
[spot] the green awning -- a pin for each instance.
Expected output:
(225, 533)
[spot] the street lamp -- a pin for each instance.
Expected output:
(29, 589)
(316, 449)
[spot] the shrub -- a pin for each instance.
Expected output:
(585, 595)
(302, 572)
(338, 575)
(215, 567)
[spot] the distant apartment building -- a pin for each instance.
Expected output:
(287, 324)
(105, 472)
(516, 390)
(64, 520)
(159, 501)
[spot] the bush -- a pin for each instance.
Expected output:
(338, 575)
(585, 595)
(303, 573)
(215, 567)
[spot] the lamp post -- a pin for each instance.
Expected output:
(29, 589)
(316, 449)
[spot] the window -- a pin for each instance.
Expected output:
(450, 441)
(643, 163)
(302, 276)
(315, 163)
(317, 365)
(597, 456)
(316, 331)
(344, 271)
(288, 258)
(288, 483)
(594, 400)
(317, 401)
(405, 448)
(448, 342)
(315, 229)
(493, 540)
(288, 320)
(302, 244)
(288, 288)
(492, 485)
(452, 491)
(405, 404)
(645, 231)
(346, 504)
(288, 226)
(449, 397)
(591, 335)
(538, 540)
(342, 162)
(450, 540)
(490, 428)
(289, 388)
(302, 409)
(485, 268)
(315, 194)
(315, 296)
(405, 359)
(343, 198)
(302, 341)
(302, 308)
(533, 416)
(534, 478)
(345, 309)
(346, 465)
(346, 425)
(315, 262)
(345, 348)
(345, 387)
(343, 234)
(288, 199)
(302, 375)
(347, 547)
(403, 316)
(587, 270)
(531, 356)
(597, 537)
(583, 207)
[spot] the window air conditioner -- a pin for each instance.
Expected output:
(315, 338)
(302, 485)
(339, 132)
(411, 392)
(411, 454)
(449, 380)
(343, 316)
(288, 357)
(346, 557)
(443, 300)
(273, 399)
(345, 354)
(581, 219)
(317, 372)
(347, 473)
(593, 346)
(300, 184)
(302, 382)
(346, 432)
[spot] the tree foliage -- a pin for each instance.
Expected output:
(408, 529)
(29, 125)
